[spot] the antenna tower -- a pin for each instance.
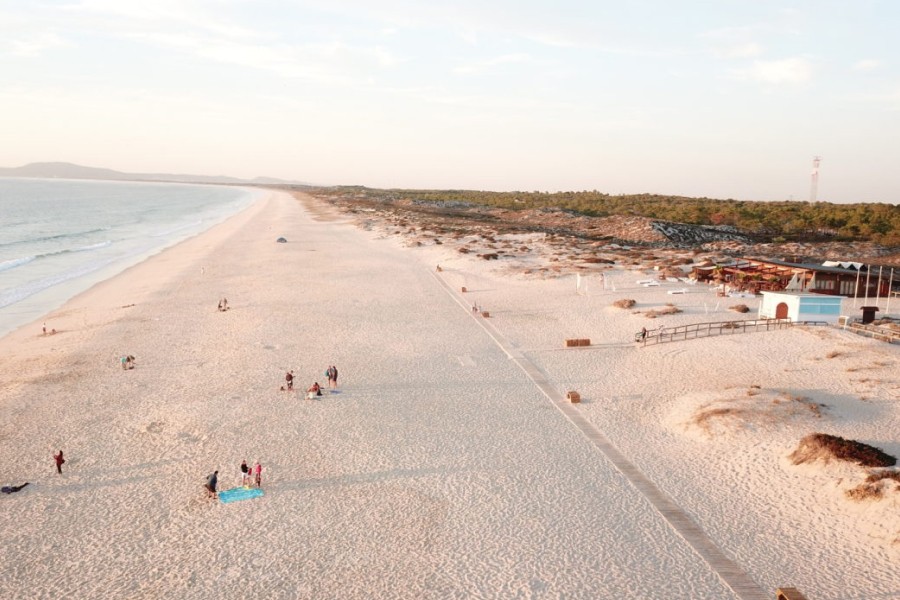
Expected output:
(814, 186)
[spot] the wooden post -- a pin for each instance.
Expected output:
(464, 289)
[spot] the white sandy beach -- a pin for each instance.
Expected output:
(440, 468)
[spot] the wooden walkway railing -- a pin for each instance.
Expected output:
(879, 333)
(697, 330)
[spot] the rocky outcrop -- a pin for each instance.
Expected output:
(682, 234)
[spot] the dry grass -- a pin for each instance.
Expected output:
(624, 303)
(666, 310)
(704, 418)
(874, 487)
(882, 475)
(833, 354)
(741, 308)
(822, 446)
(803, 401)
(756, 408)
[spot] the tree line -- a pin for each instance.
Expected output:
(783, 220)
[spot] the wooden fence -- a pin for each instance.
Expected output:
(698, 330)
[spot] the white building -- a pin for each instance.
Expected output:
(798, 306)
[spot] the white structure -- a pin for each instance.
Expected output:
(800, 307)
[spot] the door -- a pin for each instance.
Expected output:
(781, 311)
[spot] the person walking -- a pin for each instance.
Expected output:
(59, 460)
(211, 482)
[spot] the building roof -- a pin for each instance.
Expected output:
(805, 266)
(831, 297)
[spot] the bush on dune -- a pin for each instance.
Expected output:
(827, 447)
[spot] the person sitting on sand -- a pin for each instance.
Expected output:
(127, 362)
(314, 390)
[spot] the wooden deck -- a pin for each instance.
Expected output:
(729, 572)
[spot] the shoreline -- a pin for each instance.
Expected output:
(81, 300)
(436, 468)
(33, 303)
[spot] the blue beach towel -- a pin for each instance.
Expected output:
(239, 493)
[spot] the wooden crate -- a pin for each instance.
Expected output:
(485, 314)
(573, 397)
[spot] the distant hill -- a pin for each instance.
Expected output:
(63, 170)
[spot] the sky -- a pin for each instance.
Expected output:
(716, 98)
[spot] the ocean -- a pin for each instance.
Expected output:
(60, 237)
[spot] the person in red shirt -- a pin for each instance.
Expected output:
(257, 474)
(58, 458)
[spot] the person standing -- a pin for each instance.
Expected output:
(59, 460)
(289, 378)
(245, 473)
(257, 474)
(211, 482)
(333, 380)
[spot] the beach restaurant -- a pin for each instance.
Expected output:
(830, 278)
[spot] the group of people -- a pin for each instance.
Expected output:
(223, 304)
(315, 389)
(127, 362)
(250, 476)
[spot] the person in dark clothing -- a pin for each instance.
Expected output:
(59, 460)
(289, 378)
(211, 482)
(245, 473)
(11, 489)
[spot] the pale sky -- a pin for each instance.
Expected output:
(725, 99)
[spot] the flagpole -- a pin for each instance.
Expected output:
(868, 273)
(890, 291)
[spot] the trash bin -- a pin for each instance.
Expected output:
(868, 314)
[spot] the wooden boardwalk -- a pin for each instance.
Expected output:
(730, 572)
(664, 334)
